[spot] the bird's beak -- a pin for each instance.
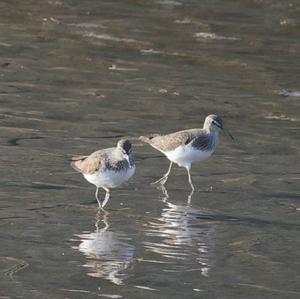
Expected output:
(225, 130)
(228, 133)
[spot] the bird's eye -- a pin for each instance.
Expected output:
(217, 124)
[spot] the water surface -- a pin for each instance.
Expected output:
(77, 76)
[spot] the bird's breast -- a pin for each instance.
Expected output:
(110, 178)
(185, 155)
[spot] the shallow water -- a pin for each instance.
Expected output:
(77, 76)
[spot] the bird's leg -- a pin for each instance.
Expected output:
(98, 200)
(190, 198)
(190, 179)
(164, 178)
(106, 198)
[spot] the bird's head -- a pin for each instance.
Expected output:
(214, 123)
(125, 147)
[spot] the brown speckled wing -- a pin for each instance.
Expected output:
(170, 142)
(89, 164)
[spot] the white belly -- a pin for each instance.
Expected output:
(184, 156)
(109, 178)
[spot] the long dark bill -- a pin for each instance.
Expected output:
(228, 133)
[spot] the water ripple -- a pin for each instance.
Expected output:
(108, 37)
(209, 35)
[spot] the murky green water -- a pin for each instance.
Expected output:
(78, 75)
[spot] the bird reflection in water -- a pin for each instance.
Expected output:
(109, 254)
(183, 238)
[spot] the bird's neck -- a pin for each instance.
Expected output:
(214, 135)
(118, 153)
(211, 131)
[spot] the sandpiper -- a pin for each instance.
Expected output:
(107, 168)
(187, 146)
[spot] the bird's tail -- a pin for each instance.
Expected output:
(76, 161)
(147, 139)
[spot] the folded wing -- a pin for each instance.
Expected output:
(89, 164)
